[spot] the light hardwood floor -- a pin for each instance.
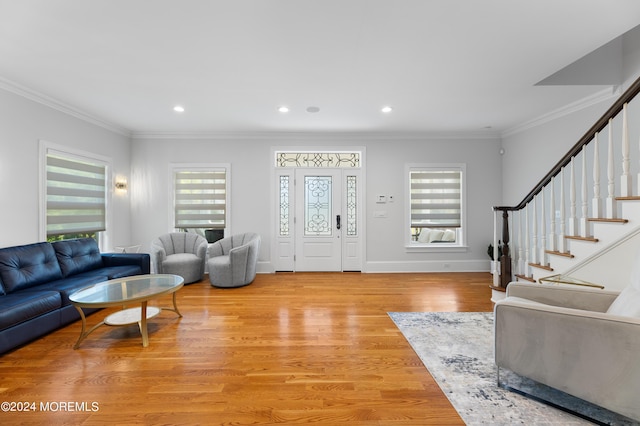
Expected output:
(289, 348)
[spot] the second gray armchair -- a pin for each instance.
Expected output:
(232, 260)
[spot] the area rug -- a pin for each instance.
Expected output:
(457, 349)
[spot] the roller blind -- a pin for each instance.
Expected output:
(76, 195)
(436, 198)
(200, 199)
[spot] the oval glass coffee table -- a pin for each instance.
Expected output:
(126, 291)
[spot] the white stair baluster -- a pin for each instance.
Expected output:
(534, 232)
(562, 243)
(625, 179)
(596, 203)
(573, 220)
(553, 246)
(527, 246)
(543, 231)
(584, 219)
(611, 187)
(512, 245)
(521, 268)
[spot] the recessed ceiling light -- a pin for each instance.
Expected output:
(313, 109)
(386, 109)
(283, 109)
(178, 108)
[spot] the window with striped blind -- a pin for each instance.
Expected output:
(75, 196)
(436, 200)
(200, 198)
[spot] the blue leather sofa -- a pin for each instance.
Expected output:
(37, 279)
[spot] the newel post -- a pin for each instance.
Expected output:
(505, 259)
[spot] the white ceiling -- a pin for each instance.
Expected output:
(443, 65)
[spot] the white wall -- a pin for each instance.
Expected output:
(530, 154)
(252, 190)
(143, 213)
(23, 123)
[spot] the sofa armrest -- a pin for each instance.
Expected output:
(143, 260)
(591, 355)
(568, 296)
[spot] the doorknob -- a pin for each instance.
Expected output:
(338, 221)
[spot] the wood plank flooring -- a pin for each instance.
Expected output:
(290, 348)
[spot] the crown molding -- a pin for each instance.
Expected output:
(55, 104)
(317, 135)
(607, 94)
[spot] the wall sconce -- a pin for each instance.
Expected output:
(121, 185)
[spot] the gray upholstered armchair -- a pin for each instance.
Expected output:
(581, 340)
(180, 253)
(232, 260)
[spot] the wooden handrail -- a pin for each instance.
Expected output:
(627, 96)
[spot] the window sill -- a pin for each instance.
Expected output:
(435, 248)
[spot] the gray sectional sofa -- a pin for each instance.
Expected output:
(37, 279)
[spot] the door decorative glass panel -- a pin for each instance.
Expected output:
(284, 206)
(352, 206)
(317, 206)
(318, 159)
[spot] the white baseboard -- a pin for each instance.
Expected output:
(428, 266)
(266, 267)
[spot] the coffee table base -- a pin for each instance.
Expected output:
(125, 317)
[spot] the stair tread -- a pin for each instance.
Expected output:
(607, 220)
(576, 237)
(524, 277)
(630, 198)
(560, 253)
(538, 265)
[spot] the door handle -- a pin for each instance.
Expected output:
(338, 221)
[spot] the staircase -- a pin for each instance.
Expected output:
(583, 218)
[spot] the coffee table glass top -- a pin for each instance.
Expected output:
(127, 289)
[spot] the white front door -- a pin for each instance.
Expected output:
(318, 220)
(308, 202)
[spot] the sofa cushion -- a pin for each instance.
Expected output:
(627, 304)
(27, 266)
(112, 272)
(68, 286)
(26, 305)
(76, 256)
